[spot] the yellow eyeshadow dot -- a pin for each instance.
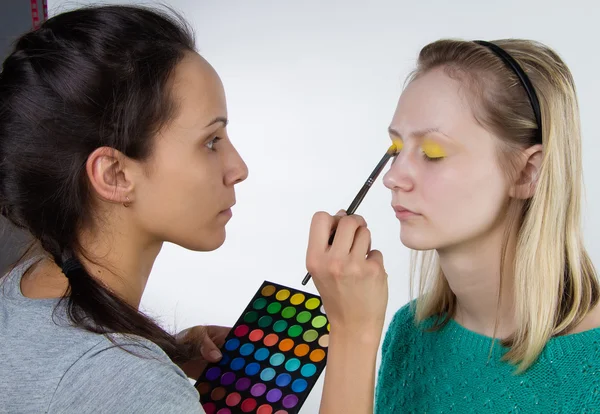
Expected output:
(283, 294)
(268, 290)
(297, 299)
(433, 150)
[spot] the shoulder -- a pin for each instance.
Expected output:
(128, 375)
(399, 329)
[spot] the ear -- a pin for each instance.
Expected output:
(524, 186)
(109, 175)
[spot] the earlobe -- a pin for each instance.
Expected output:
(108, 175)
(526, 183)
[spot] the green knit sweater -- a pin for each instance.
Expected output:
(449, 371)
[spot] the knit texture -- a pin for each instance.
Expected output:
(451, 370)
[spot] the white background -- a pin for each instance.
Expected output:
(311, 88)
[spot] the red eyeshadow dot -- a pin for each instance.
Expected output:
(271, 339)
(256, 335)
(248, 405)
(241, 330)
(210, 408)
(233, 399)
(265, 409)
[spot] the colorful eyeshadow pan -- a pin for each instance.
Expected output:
(273, 356)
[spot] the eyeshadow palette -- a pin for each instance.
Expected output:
(272, 357)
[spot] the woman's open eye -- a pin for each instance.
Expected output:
(211, 144)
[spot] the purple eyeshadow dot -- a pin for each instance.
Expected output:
(290, 401)
(243, 384)
(274, 395)
(258, 389)
(213, 373)
(228, 378)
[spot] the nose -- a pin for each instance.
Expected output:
(237, 170)
(400, 176)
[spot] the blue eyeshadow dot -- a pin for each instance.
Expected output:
(225, 360)
(299, 385)
(308, 370)
(247, 349)
(277, 359)
(292, 365)
(252, 368)
(232, 344)
(261, 354)
(283, 380)
(238, 364)
(268, 374)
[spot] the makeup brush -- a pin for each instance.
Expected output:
(392, 150)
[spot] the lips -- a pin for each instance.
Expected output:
(403, 212)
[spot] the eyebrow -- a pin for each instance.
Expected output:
(218, 119)
(418, 134)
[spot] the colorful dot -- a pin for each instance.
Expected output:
(279, 412)
(280, 326)
(246, 349)
(232, 344)
(308, 370)
(252, 368)
(283, 380)
(286, 345)
(317, 355)
(290, 401)
(241, 330)
(265, 321)
(274, 308)
(297, 299)
(258, 389)
(271, 339)
(319, 322)
(203, 388)
(323, 310)
(249, 405)
(295, 331)
(288, 312)
(274, 395)
(261, 354)
(237, 364)
(277, 359)
(282, 295)
(310, 335)
(259, 303)
(218, 394)
(324, 341)
(243, 384)
(312, 303)
(213, 373)
(328, 327)
(299, 385)
(224, 411)
(268, 290)
(233, 399)
(264, 409)
(268, 374)
(301, 350)
(292, 365)
(303, 317)
(225, 360)
(210, 408)
(250, 317)
(256, 335)
(228, 378)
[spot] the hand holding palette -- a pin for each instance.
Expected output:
(273, 356)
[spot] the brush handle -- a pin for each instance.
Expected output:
(358, 199)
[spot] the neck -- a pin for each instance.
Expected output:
(121, 259)
(473, 273)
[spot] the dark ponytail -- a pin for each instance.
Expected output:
(86, 79)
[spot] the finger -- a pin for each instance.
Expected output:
(210, 351)
(362, 243)
(341, 213)
(344, 235)
(375, 256)
(320, 229)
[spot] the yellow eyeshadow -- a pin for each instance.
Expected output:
(433, 150)
(398, 143)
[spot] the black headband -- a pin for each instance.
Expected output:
(527, 85)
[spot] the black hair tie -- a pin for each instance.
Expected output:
(71, 266)
(525, 81)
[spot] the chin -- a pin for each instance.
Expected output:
(417, 241)
(206, 243)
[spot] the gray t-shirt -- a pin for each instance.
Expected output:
(49, 366)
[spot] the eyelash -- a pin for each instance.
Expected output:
(438, 159)
(214, 142)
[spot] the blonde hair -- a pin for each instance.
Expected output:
(555, 283)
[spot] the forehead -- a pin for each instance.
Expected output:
(433, 100)
(198, 92)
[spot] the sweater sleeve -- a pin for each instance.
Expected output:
(108, 379)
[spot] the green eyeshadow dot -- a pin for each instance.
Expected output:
(280, 326)
(260, 303)
(303, 317)
(265, 321)
(250, 317)
(294, 331)
(274, 308)
(310, 336)
(319, 322)
(288, 312)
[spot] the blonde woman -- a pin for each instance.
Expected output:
(487, 188)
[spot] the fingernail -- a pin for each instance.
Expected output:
(216, 355)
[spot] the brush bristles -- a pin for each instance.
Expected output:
(395, 147)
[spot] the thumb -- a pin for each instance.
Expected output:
(209, 350)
